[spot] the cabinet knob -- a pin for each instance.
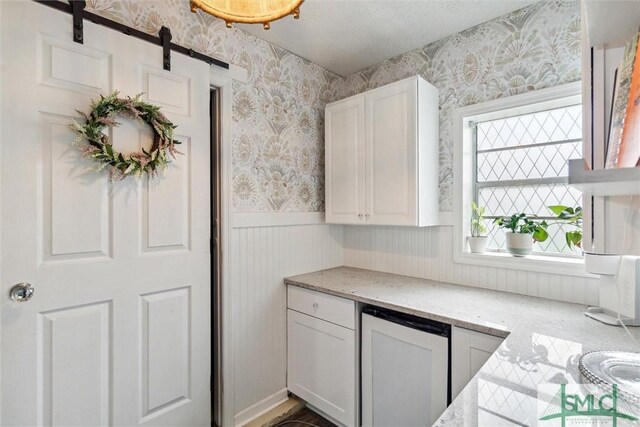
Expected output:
(315, 306)
(360, 216)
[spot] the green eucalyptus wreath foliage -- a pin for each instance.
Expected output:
(98, 146)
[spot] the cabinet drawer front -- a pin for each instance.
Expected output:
(328, 307)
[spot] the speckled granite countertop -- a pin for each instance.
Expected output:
(544, 338)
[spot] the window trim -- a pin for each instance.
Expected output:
(463, 179)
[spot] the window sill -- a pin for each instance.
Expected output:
(535, 263)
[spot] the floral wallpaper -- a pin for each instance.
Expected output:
(278, 127)
(530, 49)
(278, 115)
(278, 144)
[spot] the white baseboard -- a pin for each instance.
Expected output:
(271, 219)
(265, 405)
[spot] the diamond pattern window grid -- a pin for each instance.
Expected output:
(560, 124)
(527, 162)
(529, 147)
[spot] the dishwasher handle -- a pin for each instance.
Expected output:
(408, 320)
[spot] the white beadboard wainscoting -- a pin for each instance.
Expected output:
(260, 258)
(428, 253)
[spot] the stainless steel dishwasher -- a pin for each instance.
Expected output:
(405, 369)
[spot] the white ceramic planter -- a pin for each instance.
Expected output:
(519, 244)
(477, 244)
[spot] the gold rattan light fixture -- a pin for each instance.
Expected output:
(249, 11)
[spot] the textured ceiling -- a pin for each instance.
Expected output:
(345, 36)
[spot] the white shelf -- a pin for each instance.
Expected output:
(604, 182)
(611, 21)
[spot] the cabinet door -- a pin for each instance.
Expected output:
(344, 161)
(322, 365)
(391, 152)
(469, 351)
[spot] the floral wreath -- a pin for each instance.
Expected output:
(99, 148)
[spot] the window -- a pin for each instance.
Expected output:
(510, 156)
(521, 166)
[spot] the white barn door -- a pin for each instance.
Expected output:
(118, 329)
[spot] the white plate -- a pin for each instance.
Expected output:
(605, 368)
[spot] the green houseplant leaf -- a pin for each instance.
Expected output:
(573, 217)
(478, 227)
(540, 233)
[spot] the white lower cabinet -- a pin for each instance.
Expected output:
(322, 356)
(469, 351)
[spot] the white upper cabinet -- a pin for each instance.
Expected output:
(382, 156)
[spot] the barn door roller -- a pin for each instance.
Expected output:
(165, 38)
(76, 8)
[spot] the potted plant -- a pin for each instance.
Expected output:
(478, 239)
(522, 231)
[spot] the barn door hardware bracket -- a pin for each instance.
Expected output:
(165, 38)
(76, 8)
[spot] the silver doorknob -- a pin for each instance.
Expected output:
(22, 292)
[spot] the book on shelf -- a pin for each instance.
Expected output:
(623, 148)
(616, 84)
(629, 153)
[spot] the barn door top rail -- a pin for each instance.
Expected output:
(76, 8)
